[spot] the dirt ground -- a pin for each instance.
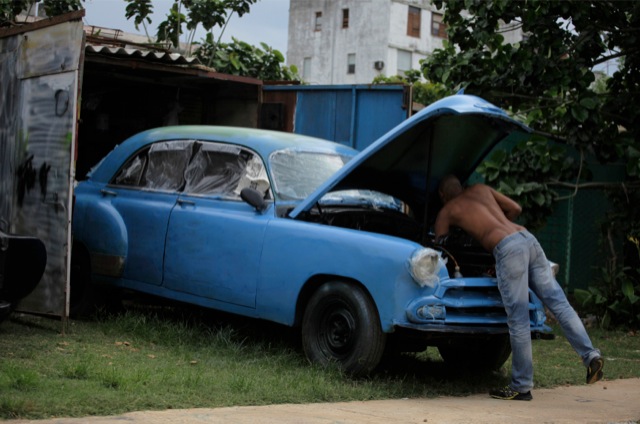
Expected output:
(616, 401)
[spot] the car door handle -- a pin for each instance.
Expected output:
(106, 192)
(186, 202)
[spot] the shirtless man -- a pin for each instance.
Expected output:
(488, 217)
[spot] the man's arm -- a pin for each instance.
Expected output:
(510, 207)
(441, 226)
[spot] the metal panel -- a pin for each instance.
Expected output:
(40, 71)
(354, 115)
(10, 88)
(50, 50)
(287, 102)
(377, 112)
(316, 114)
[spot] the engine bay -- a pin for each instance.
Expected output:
(463, 251)
(460, 250)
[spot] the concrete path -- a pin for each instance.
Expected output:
(610, 402)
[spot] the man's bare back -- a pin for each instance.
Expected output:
(485, 214)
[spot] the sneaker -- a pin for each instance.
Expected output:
(507, 393)
(594, 370)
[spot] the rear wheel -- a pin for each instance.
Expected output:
(86, 298)
(486, 354)
(341, 325)
(5, 310)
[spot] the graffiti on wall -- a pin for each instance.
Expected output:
(26, 179)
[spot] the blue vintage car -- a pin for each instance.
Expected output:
(306, 233)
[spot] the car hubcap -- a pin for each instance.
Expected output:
(339, 330)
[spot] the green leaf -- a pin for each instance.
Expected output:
(583, 297)
(539, 198)
(589, 103)
(445, 76)
(579, 113)
(629, 291)
(234, 61)
(278, 56)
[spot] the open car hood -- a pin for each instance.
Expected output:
(450, 136)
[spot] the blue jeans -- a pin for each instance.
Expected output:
(521, 264)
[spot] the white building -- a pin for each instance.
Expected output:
(353, 41)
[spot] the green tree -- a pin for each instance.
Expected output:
(424, 93)
(524, 172)
(9, 9)
(548, 79)
(236, 58)
(208, 13)
(240, 58)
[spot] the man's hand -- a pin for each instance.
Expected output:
(442, 240)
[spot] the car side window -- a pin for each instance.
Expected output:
(223, 170)
(131, 173)
(160, 167)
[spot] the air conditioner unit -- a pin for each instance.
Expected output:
(378, 65)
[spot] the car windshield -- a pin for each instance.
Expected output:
(297, 173)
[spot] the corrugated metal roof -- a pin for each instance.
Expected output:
(151, 55)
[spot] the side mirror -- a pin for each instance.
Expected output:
(254, 198)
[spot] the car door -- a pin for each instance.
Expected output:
(143, 193)
(214, 240)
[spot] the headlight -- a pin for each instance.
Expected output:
(424, 265)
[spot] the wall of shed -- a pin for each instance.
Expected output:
(39, 84)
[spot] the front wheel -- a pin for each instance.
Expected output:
(341, 325)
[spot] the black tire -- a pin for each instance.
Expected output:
(5, 310)
(482, 354)
(341, 326)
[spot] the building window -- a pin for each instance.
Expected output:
(438, 28)
(413, 23)
(404, 61)
(318, 25)
(306, 69)
(345, 18)
(351, 63)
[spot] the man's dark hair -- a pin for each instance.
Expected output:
(449, 187)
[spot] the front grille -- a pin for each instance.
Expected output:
(478, 304)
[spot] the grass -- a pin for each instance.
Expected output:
(156, 358)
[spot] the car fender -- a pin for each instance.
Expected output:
(296, 252)
(104, 235)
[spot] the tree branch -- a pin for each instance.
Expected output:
(524, 96)
(604, 59)
(594, 185)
